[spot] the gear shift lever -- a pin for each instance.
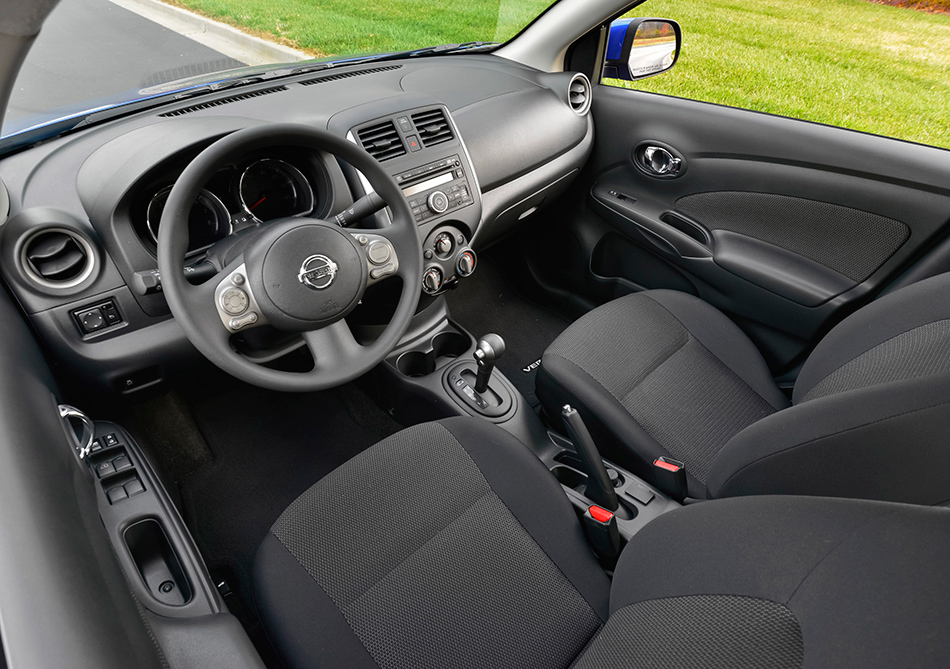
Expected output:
(489, 350)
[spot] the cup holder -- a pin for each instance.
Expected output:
(445, 346)
(570, 478)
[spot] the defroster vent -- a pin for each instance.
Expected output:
(382, 141)
(433, 127)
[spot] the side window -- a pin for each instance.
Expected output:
(867, 65)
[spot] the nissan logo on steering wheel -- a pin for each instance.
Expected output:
(317, 272)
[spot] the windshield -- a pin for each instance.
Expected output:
(95, 54)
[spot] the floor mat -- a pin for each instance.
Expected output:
(486, 302)
(264, 449)
(268, 448)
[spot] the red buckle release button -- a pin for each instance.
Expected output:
(599, 514)
(668, 466)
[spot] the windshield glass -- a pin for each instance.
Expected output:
(93, 54)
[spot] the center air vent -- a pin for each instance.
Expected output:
(433, 127)
(579, 94)
(57, 258)
(382, 141)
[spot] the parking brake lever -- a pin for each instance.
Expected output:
(599, 487)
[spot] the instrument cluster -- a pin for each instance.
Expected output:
(254, 191)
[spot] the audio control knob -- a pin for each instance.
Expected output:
(438, 202)
(432, 280)
(465, 264)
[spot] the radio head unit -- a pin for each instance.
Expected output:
(436, 188)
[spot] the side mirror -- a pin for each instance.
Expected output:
(639, 48)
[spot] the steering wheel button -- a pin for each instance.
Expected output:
(243, 321)
(378, 253)
(238, 279)
(380, 272)
(234, 301)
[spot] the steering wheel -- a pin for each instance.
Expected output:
(300, 275)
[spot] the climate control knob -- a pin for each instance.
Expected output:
(465, 264)
(432, 280)
(443, 244)
(438, 202)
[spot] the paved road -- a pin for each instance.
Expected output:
(88, 49)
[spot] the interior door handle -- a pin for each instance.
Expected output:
(659, 161)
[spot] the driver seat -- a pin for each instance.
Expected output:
(450, 545)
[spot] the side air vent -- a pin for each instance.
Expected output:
(57, 258)
(382, 141)
(433, 127)
(223, 101)
(579, 94)
(347, 75)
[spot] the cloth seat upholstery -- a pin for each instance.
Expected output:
(450, 545)
(662, 373)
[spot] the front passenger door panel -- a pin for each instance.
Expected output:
(784, 224)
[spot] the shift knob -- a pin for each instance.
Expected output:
(490, 348)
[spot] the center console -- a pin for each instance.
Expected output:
(424, 153)
(441, 370)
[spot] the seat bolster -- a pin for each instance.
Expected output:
(865, 581)
(560, 381)
(536, 499)
(300, 618)
(751, 547)
(903, 310)
(853, 444)
(725, 340)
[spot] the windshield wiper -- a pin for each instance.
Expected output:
(219, 86)
(439, 50)
(449, 48)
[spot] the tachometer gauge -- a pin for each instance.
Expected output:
(208, 220)
(271, 188)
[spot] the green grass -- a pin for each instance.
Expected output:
(848, 63)
(339, 27)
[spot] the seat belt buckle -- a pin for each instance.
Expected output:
(600, 526)
(670, 477)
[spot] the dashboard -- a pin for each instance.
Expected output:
(477, 144)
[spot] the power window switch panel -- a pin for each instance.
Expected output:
(134, 487)
(116, 494)
(122, 463)
(103, 469)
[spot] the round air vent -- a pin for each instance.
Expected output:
(57, 258)
(579, 94)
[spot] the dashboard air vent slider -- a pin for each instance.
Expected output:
(382, 141)
(57, 258)
(223, 101)
(433, 127)
(579, 94)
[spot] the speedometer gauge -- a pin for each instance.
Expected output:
(272, 188)
(208, 220)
